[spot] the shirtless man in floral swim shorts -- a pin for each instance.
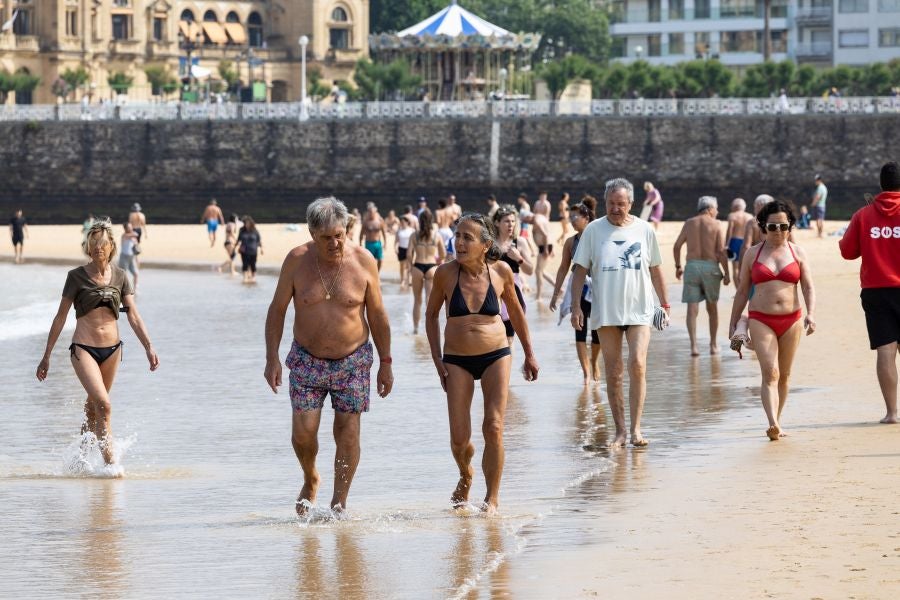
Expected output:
(337, 301)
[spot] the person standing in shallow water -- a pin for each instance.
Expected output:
(97, 290)
(476, 348)
(337, 301)
(874, 235)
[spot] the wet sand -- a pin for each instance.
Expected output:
(813, 515)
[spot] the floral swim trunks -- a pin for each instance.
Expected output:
(346, 379)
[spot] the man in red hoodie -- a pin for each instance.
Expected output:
(874, 234)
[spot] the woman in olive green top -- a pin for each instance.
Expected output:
(99, 291)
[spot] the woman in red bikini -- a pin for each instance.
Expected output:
(774, 267)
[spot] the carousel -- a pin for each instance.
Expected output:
(458, 55)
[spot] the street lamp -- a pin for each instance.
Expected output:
(304, 42)
(503, 75)
(638, 50)
(189, 45)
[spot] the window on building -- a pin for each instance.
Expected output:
(778, 9)
(778, 41)
(889, 38)
(255, 30)
(853, 38)
(676, 43)
(187, 15)
(159, 29)
(339, 15)
(737, 8)
(121, 27)
(739, 41)
(122, 3)
(339, 39)
(71, 22)
(23, 23)
(654, 11)
(701, 9)
(676, 9)
(853, 6)
(232, 17)
(888, 5)
(701, 44)
(210, 17)
(654, 45)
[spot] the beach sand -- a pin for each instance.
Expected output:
(812, 516)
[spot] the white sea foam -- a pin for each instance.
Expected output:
(31, 319)
(82, 458)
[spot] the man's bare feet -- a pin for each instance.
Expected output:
(460, 495)
(489, 507)
(587, 380)
(596, 373)
(619, 441)
(695, 351)
(307, 496)
(713, 348)
(774, 432)
(889, 419)
(639, 441)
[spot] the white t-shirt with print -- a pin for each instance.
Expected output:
(618, 259)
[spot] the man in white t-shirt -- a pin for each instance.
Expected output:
(621, 254)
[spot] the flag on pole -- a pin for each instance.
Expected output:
(9, 24)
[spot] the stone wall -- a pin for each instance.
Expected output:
(59, 171)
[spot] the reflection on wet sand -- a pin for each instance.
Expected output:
(706, 392)
(590, 420)
(478, 564)
(311, 566)
(104, 565)
(339, 573)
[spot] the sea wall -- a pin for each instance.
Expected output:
(59, 171)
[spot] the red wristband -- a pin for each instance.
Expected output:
(386, 359)
(665, 306)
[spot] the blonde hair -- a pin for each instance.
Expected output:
(103, 227)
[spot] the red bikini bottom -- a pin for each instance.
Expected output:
(777, 323)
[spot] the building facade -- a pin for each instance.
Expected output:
(106, 37)
(820, 32)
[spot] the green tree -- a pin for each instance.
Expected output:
(611, 82)
(7, 85)
(317, 89)
(229, 74)
(120, 82)
(160, 79)
(385, 82)
(875, 80)
(805, 81)
(574, 27)
(75, 79)
(704, 78)
(559, 74)
(25, 82)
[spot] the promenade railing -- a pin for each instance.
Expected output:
(286, 111)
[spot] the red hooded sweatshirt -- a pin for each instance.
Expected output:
(874, 234)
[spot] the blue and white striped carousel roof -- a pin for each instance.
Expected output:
(454, 21)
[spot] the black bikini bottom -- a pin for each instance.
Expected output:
(424, 267)
(98, 354)
(478, 364)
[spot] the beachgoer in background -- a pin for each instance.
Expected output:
(391, 222)
(374, 233)
(422, 206)
(97, 290)
(540, 221)
(734, 234)
(493, 206)
(705, 269)
(818, 205)
(453, 208)
(249, 245)
(803, 219)
(475, 348)
(874, 235)
(752, 233)
(654, 201)
(127, 254)
(621, 253)
(231, 231)
(212, 216)
(563, 207)
(138, 221)
(426, 252)
(411, 217)
(525, 215)
(352, 223)
(582, 214)
(86, 225)
(444, 218)
(401, 246)
(337, 302)
(515, 252)
(774, 268)
(18, 231)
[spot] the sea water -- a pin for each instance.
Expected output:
(204, 506)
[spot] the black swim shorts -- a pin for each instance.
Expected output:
(882, 308)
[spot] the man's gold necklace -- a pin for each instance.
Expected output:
(329, 288)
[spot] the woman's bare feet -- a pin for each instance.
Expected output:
(619, 441)
(774, 433)
(889, 419)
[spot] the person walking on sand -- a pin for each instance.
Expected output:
(18, 231)
(705, 269)
(336, 294)
(515, 252)
(563, 207)
(475, 348)
(621, 253)
(874, 235)
(737, 224)
(653, 200)
(401, 247)
(128, 253)
(582, 215)
(426, 253)
(540, 221)
(818, 205)
(249, 245)
(99, 291)
(213, 217)
(444, 219)
(138, 221)
(774, 268)
(374, 233)
(752, 233)
(231, 231)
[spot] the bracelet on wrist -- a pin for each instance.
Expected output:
(386, 360)
(665, 306)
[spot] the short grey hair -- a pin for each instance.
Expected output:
(707, 202)
(761, 201)
(738, 204)
(619, 183)
(326, 212)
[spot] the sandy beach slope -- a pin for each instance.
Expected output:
(813, 516)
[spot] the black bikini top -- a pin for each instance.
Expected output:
(458, 308)
(514, 265)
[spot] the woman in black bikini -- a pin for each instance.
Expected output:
(97, 290)
(475, 347)
(515, 252)
(426, 251)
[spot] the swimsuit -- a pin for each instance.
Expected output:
(424, 267)
(490, 307)
(346, 379)
(702, 280)
(447, 235)
(375, 249)
(212, 225)
(734, 248)
(549, 248)
(760, 273)
(98, 354)
(515, 266)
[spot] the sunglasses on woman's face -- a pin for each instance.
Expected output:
(778, 226)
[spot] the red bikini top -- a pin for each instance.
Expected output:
(760, 273)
